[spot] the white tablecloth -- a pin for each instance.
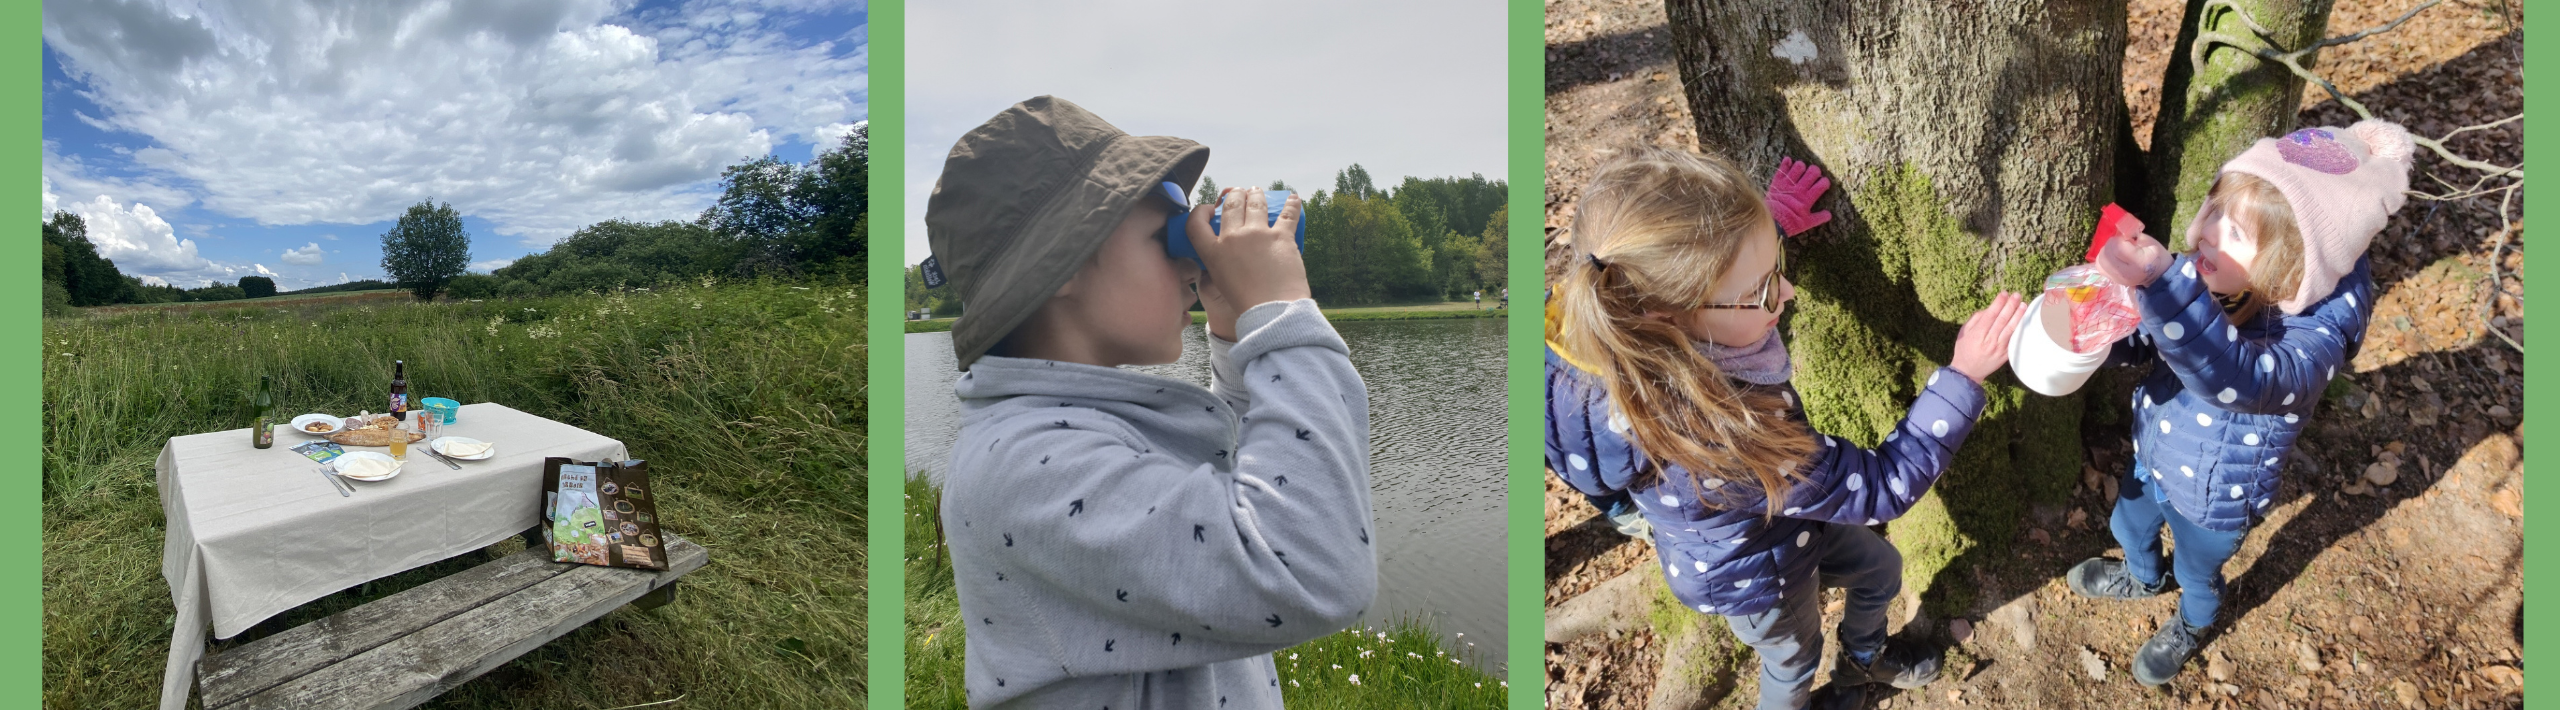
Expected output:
(254, 532)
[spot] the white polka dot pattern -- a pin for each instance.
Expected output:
(2191, 473)
(2266, 363)
(1578, 462)
(2228, 394)
(1856, 481)
(1803, 537)
(1668, 500)
(1938, 428)
(2174, 331)
(2203, 419)
(2251, 439)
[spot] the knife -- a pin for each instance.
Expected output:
(448, 461)
(335, 484)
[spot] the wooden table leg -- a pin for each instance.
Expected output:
(659, 597)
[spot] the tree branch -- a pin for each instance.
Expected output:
(2261, 45)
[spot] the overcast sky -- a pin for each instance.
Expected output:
(1293, 91)
(207, 140)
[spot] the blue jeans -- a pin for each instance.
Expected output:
(1789, 636)
(2141, 510)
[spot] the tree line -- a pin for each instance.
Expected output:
(1425, 239)
(774, 218)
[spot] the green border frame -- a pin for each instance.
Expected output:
(22, 664)
(2537, 600)
(1526, 570)
(887, 666)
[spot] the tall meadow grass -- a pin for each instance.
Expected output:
(746, 399)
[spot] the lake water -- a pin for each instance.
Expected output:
(1437, 417)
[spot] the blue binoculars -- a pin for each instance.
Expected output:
(1177, 228)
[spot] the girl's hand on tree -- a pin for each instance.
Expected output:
(1251, 263)
(2133, 259)
(1983, 345)
(1791, 195)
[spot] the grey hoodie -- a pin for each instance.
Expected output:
(1130, 541)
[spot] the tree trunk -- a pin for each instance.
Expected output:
(1973, 144)
(2209, 116)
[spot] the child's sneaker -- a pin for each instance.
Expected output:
(2103, 578)
(1902, 666)
(2166, 652)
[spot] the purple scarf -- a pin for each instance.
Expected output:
(1765, 363)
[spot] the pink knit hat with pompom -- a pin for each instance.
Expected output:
(2343, 185)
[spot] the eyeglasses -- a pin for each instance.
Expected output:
(1768, 300)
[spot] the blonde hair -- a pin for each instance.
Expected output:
(1654, 232)
(2275, 273)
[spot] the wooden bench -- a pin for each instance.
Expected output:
(404, 649)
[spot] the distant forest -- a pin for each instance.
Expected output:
(1427, 239)
(774, 218)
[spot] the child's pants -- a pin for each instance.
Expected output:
(2141, 510)
(1789, 635)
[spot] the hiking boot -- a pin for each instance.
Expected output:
(1838, 696)
(2166, 653)
(2103, 578)
(1903, 666)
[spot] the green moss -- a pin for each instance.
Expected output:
(1875, 317)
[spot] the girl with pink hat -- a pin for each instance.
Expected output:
(2248, 329)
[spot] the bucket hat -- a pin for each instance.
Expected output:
(1027, 198)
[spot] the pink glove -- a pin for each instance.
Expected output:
(1791, 196)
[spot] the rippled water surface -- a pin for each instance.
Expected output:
(1436, 417)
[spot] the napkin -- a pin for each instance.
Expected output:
(367, 467)
(464, 447)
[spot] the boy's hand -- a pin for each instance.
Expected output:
(2133, 259)
(1252, 263)
(1983, 345)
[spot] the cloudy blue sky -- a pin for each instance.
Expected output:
(208, 140)
(1292, 91)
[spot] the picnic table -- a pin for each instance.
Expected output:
(255, 532)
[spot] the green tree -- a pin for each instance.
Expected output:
(1354, 182)
(1493, 250)
(1363, 251)
(71, 260)
(836, 191)
(257, 286)
(1208, 191)
(426, 248)
(759, 214)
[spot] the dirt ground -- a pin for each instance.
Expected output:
(2388, 574)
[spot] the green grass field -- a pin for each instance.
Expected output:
(1397, 667)
(745, 398)
(1414, 311)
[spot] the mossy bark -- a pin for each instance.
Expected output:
(2211, 113)
(1971, 148)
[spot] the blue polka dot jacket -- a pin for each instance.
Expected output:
(1131, 541)
(1720, 552)
(2216, 416)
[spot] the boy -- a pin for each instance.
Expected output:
(1120, 539)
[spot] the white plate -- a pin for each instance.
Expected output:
(335, 423)
(439, 442)
(343, 459)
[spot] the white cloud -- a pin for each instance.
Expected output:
(307, 255)
(482, 267)
(330, 237)
(136, 239)
(531, 114)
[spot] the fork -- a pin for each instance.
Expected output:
(344, 490)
